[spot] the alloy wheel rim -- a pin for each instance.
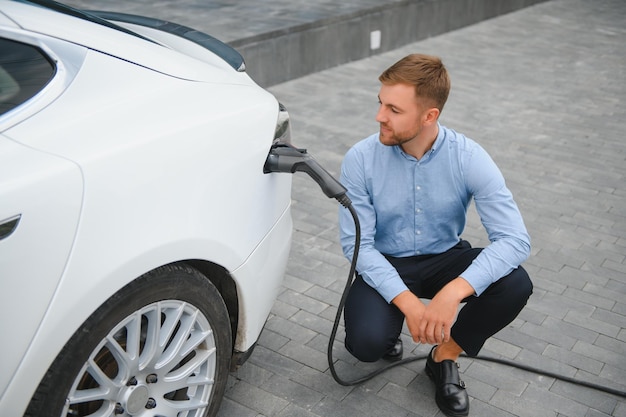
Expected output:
(161, 357)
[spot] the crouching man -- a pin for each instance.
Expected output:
(411, 184)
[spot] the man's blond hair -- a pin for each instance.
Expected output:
(426, 73)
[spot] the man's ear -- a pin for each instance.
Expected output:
(432, 115)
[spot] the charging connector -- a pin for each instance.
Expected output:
(286, 158)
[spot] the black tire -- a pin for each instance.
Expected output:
(178, 324)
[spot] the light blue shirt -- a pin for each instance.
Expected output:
(410, 207)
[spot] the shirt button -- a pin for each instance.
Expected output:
(418, 211)
(418, 232)
(418, 188)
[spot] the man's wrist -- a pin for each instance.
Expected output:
(459, 289)
(405, 301)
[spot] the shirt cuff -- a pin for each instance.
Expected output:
(388, 289)
(476, 278)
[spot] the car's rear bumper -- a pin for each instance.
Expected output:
(259, 281)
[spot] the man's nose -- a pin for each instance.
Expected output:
(380, 115)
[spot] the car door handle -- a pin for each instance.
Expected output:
(8, 226)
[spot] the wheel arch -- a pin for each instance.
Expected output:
(227, 287)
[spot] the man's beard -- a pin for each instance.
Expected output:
(392, 138)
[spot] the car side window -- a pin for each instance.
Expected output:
(24, 71)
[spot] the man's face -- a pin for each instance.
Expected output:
(399, 115)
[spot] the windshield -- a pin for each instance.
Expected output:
(62, 8)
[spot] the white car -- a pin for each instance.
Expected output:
(141, 244)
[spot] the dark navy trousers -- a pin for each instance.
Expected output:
(373, 325)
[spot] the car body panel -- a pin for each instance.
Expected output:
(151, 169)
(268, 260)
(46, 191)
(6, 22)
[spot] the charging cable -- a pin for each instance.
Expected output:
(286, 158)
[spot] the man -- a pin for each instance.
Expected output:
(411, 184)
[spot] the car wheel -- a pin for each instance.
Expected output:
(160, 345)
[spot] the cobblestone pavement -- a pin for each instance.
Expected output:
(543, 89)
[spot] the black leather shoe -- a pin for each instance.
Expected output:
(395, 353)
(450, 393)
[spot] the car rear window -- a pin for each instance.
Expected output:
(24, 71)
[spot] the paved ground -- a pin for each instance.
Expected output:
(544, 91)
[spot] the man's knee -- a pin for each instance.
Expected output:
(510, 293)
(366, 345)
(522, 282)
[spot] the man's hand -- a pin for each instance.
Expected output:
(432, 323)
(413, 310)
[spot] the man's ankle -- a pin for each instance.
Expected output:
(447, 351)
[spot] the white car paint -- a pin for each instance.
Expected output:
(120, 166)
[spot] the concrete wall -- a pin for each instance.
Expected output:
(281, 55)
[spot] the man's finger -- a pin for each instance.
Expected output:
(445, 333)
